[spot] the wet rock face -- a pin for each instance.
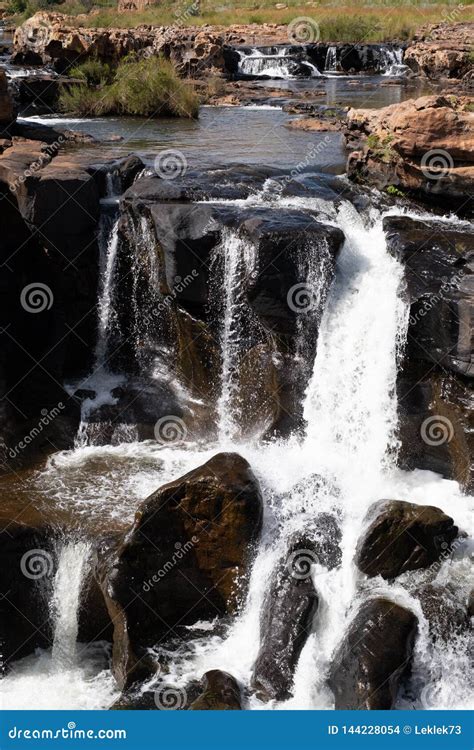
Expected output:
(290, 606)
(434, 392)
(177, 249)
(7, 108)
(220, 692)
(373, 657)
(186, 557)
(403, 536)
(27, 570)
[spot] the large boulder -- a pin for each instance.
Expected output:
(423, 145)
(220, 692)
(375, 653)
(186, 558)
(290, 606)
(446, 613)
(402, 536)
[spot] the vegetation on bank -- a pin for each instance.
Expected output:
(339, 20)
(149, 87)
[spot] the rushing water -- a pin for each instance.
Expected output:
(344, 463)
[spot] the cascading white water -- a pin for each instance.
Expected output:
(109, 239)
(351, 413)
(233, 251)
(281, 64)
(72, 566)
(70, 675)
(330, 64)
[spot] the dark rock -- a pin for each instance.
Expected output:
(373, 657)
(447, 616)
(290, 606)
(185, 559)
(120, 173)
(220, 692)
(403, 536)
(28, 566)
(434, 383)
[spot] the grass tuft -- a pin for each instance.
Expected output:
(144, 88)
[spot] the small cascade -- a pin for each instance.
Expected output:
(391, 62)
(72, 568)
(236, 317)
(330, 66)
(277, 62)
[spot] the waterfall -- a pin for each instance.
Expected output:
(235, 253)
(391, 61)
(108, 245)
(330, 64)
(275, 63)
(68, 582)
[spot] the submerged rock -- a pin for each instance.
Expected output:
(375, 653)
(290, 606)
(403, 536)
(221, 692)
(186, 558)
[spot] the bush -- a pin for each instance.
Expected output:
(147, 88)
(93, 72)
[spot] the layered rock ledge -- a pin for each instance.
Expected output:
(424, 145)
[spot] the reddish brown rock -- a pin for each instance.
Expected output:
(442, 50)
(424, 145)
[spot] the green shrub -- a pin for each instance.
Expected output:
(145, 88)
(93, 72)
